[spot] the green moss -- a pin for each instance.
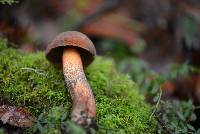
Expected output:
(28, 79)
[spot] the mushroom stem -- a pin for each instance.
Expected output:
(83, 107)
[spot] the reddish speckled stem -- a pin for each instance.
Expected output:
(83, 108)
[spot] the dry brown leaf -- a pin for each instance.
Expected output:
(19, 117)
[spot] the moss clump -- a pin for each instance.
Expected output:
(28, 79)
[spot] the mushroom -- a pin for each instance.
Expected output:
(73, 51)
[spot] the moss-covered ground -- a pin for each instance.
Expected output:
(29, 80)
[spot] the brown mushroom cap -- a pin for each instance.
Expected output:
(74, 39)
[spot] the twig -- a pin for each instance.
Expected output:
(108, 5)
(34, 70)
(157, 104)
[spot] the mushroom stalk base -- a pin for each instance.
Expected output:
(83, 107)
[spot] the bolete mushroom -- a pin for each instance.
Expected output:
(73, 51)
